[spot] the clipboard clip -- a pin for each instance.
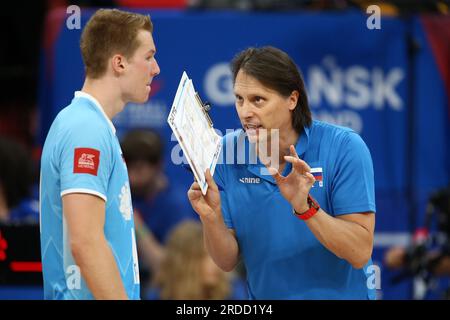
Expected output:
(206, 107)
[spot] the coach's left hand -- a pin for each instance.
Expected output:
(296, 185)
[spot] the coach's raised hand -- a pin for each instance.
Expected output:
(295, 186)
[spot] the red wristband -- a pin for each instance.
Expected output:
(313, 209)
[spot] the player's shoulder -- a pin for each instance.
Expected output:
(335, 135)
(81, 119)
(331, 129)
(81, 113)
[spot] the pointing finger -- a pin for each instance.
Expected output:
(293, 152)
(210, 180)
(299, 165)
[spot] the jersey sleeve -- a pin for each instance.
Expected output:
(85, 160)
(353, 187)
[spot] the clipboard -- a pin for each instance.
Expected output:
(193, 128)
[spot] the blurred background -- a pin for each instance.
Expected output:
(389, 80)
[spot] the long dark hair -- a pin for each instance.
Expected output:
(277, 71)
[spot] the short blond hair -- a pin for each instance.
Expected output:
(108, 32)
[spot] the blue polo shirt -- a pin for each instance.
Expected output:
(283, 258)
(82, 154)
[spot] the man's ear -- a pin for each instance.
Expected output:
(118, 63)
(293, 99)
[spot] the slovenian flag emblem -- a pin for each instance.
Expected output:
(318, 174)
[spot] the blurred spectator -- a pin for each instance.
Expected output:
(187, 272)
(16, 177)
(158, 205)
(428, 255)
(399, 258)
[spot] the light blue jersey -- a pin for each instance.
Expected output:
(82, 155)
(283, 258)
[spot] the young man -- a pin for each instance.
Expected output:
(87, 229)
(302, 234)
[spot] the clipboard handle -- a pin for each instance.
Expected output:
(206, 107)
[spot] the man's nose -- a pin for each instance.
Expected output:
(247, 110)
(155, 69)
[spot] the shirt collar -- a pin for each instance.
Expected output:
(302, 142)
(81, 94)
(256, 167)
